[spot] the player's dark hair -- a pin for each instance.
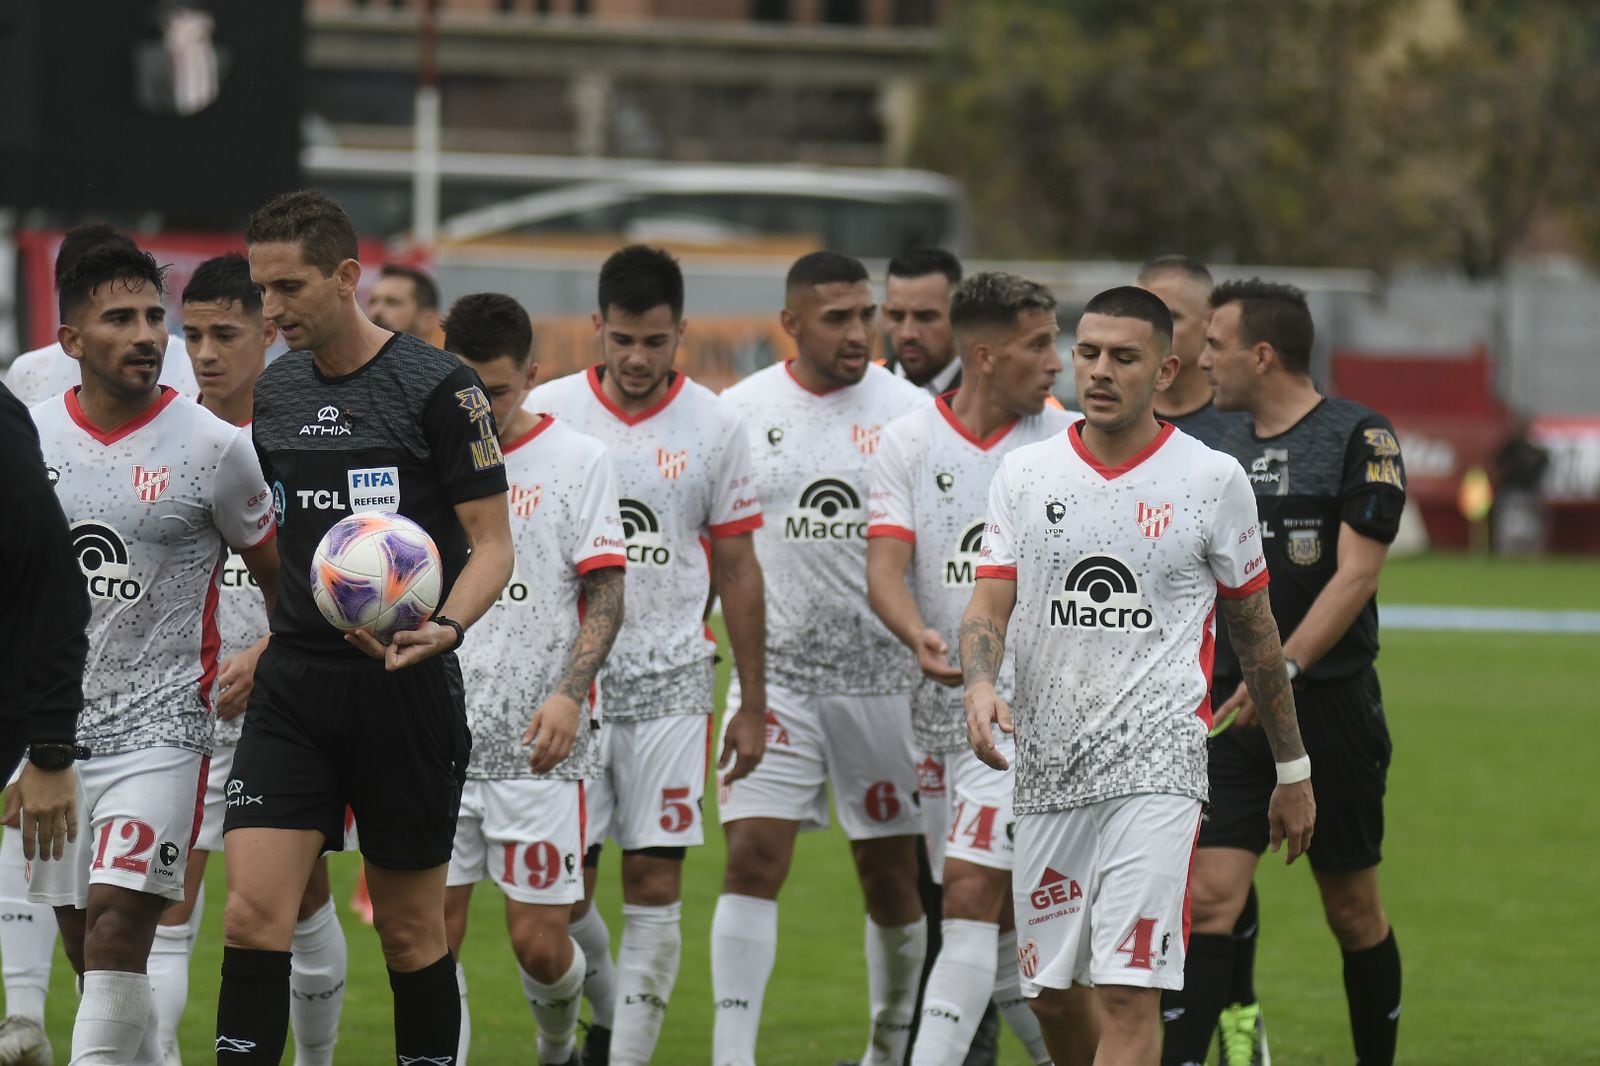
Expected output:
(80, 239)
(485, 326)
(224, 280)
(824, 268)
(1274, 313)
(1130, 301)
(102, 265)
(636, 278)
(995, 299)
(920, 262)
(423, 287)
(1182, 265)
(311, 219)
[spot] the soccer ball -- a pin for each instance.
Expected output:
(377, 570)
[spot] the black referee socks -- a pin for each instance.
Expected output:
(252, 1006)
(427, 1012)
(1372, 987)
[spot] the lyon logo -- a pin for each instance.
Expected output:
(866, 438)
(523, 500)
(1154, 518)
(151, 482)
(671, 464)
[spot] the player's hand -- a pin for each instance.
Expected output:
(1292, 814)
(933, 655)
(744, 742)
(551, 730)
(49, 810)
(985, 708)
(235, 680)
(1246, 718)
(409, 647)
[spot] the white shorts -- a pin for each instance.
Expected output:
(653, 782)
(863, 743)
(524, 835)
(982, 829)
(138, 814)
(1102, 893)
(933, 796)
(210, 838)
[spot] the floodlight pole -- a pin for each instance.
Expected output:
(425, 136)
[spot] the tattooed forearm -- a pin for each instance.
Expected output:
(602, 591)
(1255, 638)
(983, 646)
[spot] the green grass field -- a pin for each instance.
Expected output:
(1490, 880)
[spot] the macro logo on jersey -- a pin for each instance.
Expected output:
(642, 530)
(959, 570)
(524, 499)
(671, 464)
(866, 438)
(1153, 519)
(516, 590)
(329, 423)
(235, 575)
(150, 482)
(103, 558)
(1270, 469)
(486, 449)
(1100, 592)
(829, 509)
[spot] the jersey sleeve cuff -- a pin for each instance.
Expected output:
(740, 526)
(488, 483)
(263, 539)
(884, 529)
(1249, 588)
(999, 573)
(600, 562)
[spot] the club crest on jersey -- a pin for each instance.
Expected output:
(945, 481)
(329, 423)
(642, 530)
(828, 509)
(1054, 512)
(1305, 547)
(1153, 519)
(671, 464)
(1028, 958)
(1101, 592)
(960, 570)
(866, 438)
(930, 777)
(774, 436)
(524, 499)
(52, 475)
(103, 557)
(149, 482)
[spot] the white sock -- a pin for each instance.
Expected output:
(957, 993)
(168, 967)
(112, 1018)
(152, 1050)
(894, 966)
(1012, 1003)
(27, 935)
(466, 1019)
(600, 979)
(744, 945)
(316, 986)
(196, 915)
(555, 1008)
(647, 968)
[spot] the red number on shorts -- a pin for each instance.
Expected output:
(542, 860)
(882, 804)
(136, 856)
(1139, 945)
(676, 813)
(980, 831)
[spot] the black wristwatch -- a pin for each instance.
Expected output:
(56, 756)
(461, 634)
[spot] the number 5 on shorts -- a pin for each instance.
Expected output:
(676, 812)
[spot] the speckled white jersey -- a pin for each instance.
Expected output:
(683, 475)
(564, 524)
(1117, 571)
(930, 488)
(152, 506)
(45, 373)
(241, 621)
(812, 455)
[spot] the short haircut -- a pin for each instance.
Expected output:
(1274, 313)
(80, 239)
(1130, 301)
(995, 299)
(423, 286)
(1182, 265)
(636, 278)
(920, 262)
(225, 279)
(485, 326)
(102, 265)
(311, 219)
(824, 268)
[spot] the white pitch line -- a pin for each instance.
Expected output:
(1486, 619)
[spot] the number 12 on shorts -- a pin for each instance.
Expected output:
(135, 857)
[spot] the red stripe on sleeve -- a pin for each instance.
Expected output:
(1002, 573)
(897, 532)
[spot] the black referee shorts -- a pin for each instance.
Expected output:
(321, 732)
(1347, 737)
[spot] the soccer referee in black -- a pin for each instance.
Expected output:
(334, 719)
(1330, 487)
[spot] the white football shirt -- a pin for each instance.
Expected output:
(45, 373)
(812, 454)
(241, 621)
(683, 475)
(930, 488)
(1117, 571)
(152, 505)
(564, 524)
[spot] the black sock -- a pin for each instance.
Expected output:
(1191, 1014)
(1372, 987)
(427, 1013)
(932, 897)
(253, 1007)
(1244, 950)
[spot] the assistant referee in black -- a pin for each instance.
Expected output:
(334, 719)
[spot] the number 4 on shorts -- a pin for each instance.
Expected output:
(1139, 945)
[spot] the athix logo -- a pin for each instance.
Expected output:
(1100, 593)
(1271, 467)
(1153, 518)
(103, 558)
(829, 509)
(150, 482)
(642, 531)
(959, 570)
(234, 790)
(866, 438)
(328, 424)
(671, 464)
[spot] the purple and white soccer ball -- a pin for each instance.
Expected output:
(377, 570)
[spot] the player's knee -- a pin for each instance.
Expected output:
(119, 938)
(410, 940)
(974, 897)
(757, 864)
(1357, 921)
(1215, 898)
(546, 956)
(248, 922)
